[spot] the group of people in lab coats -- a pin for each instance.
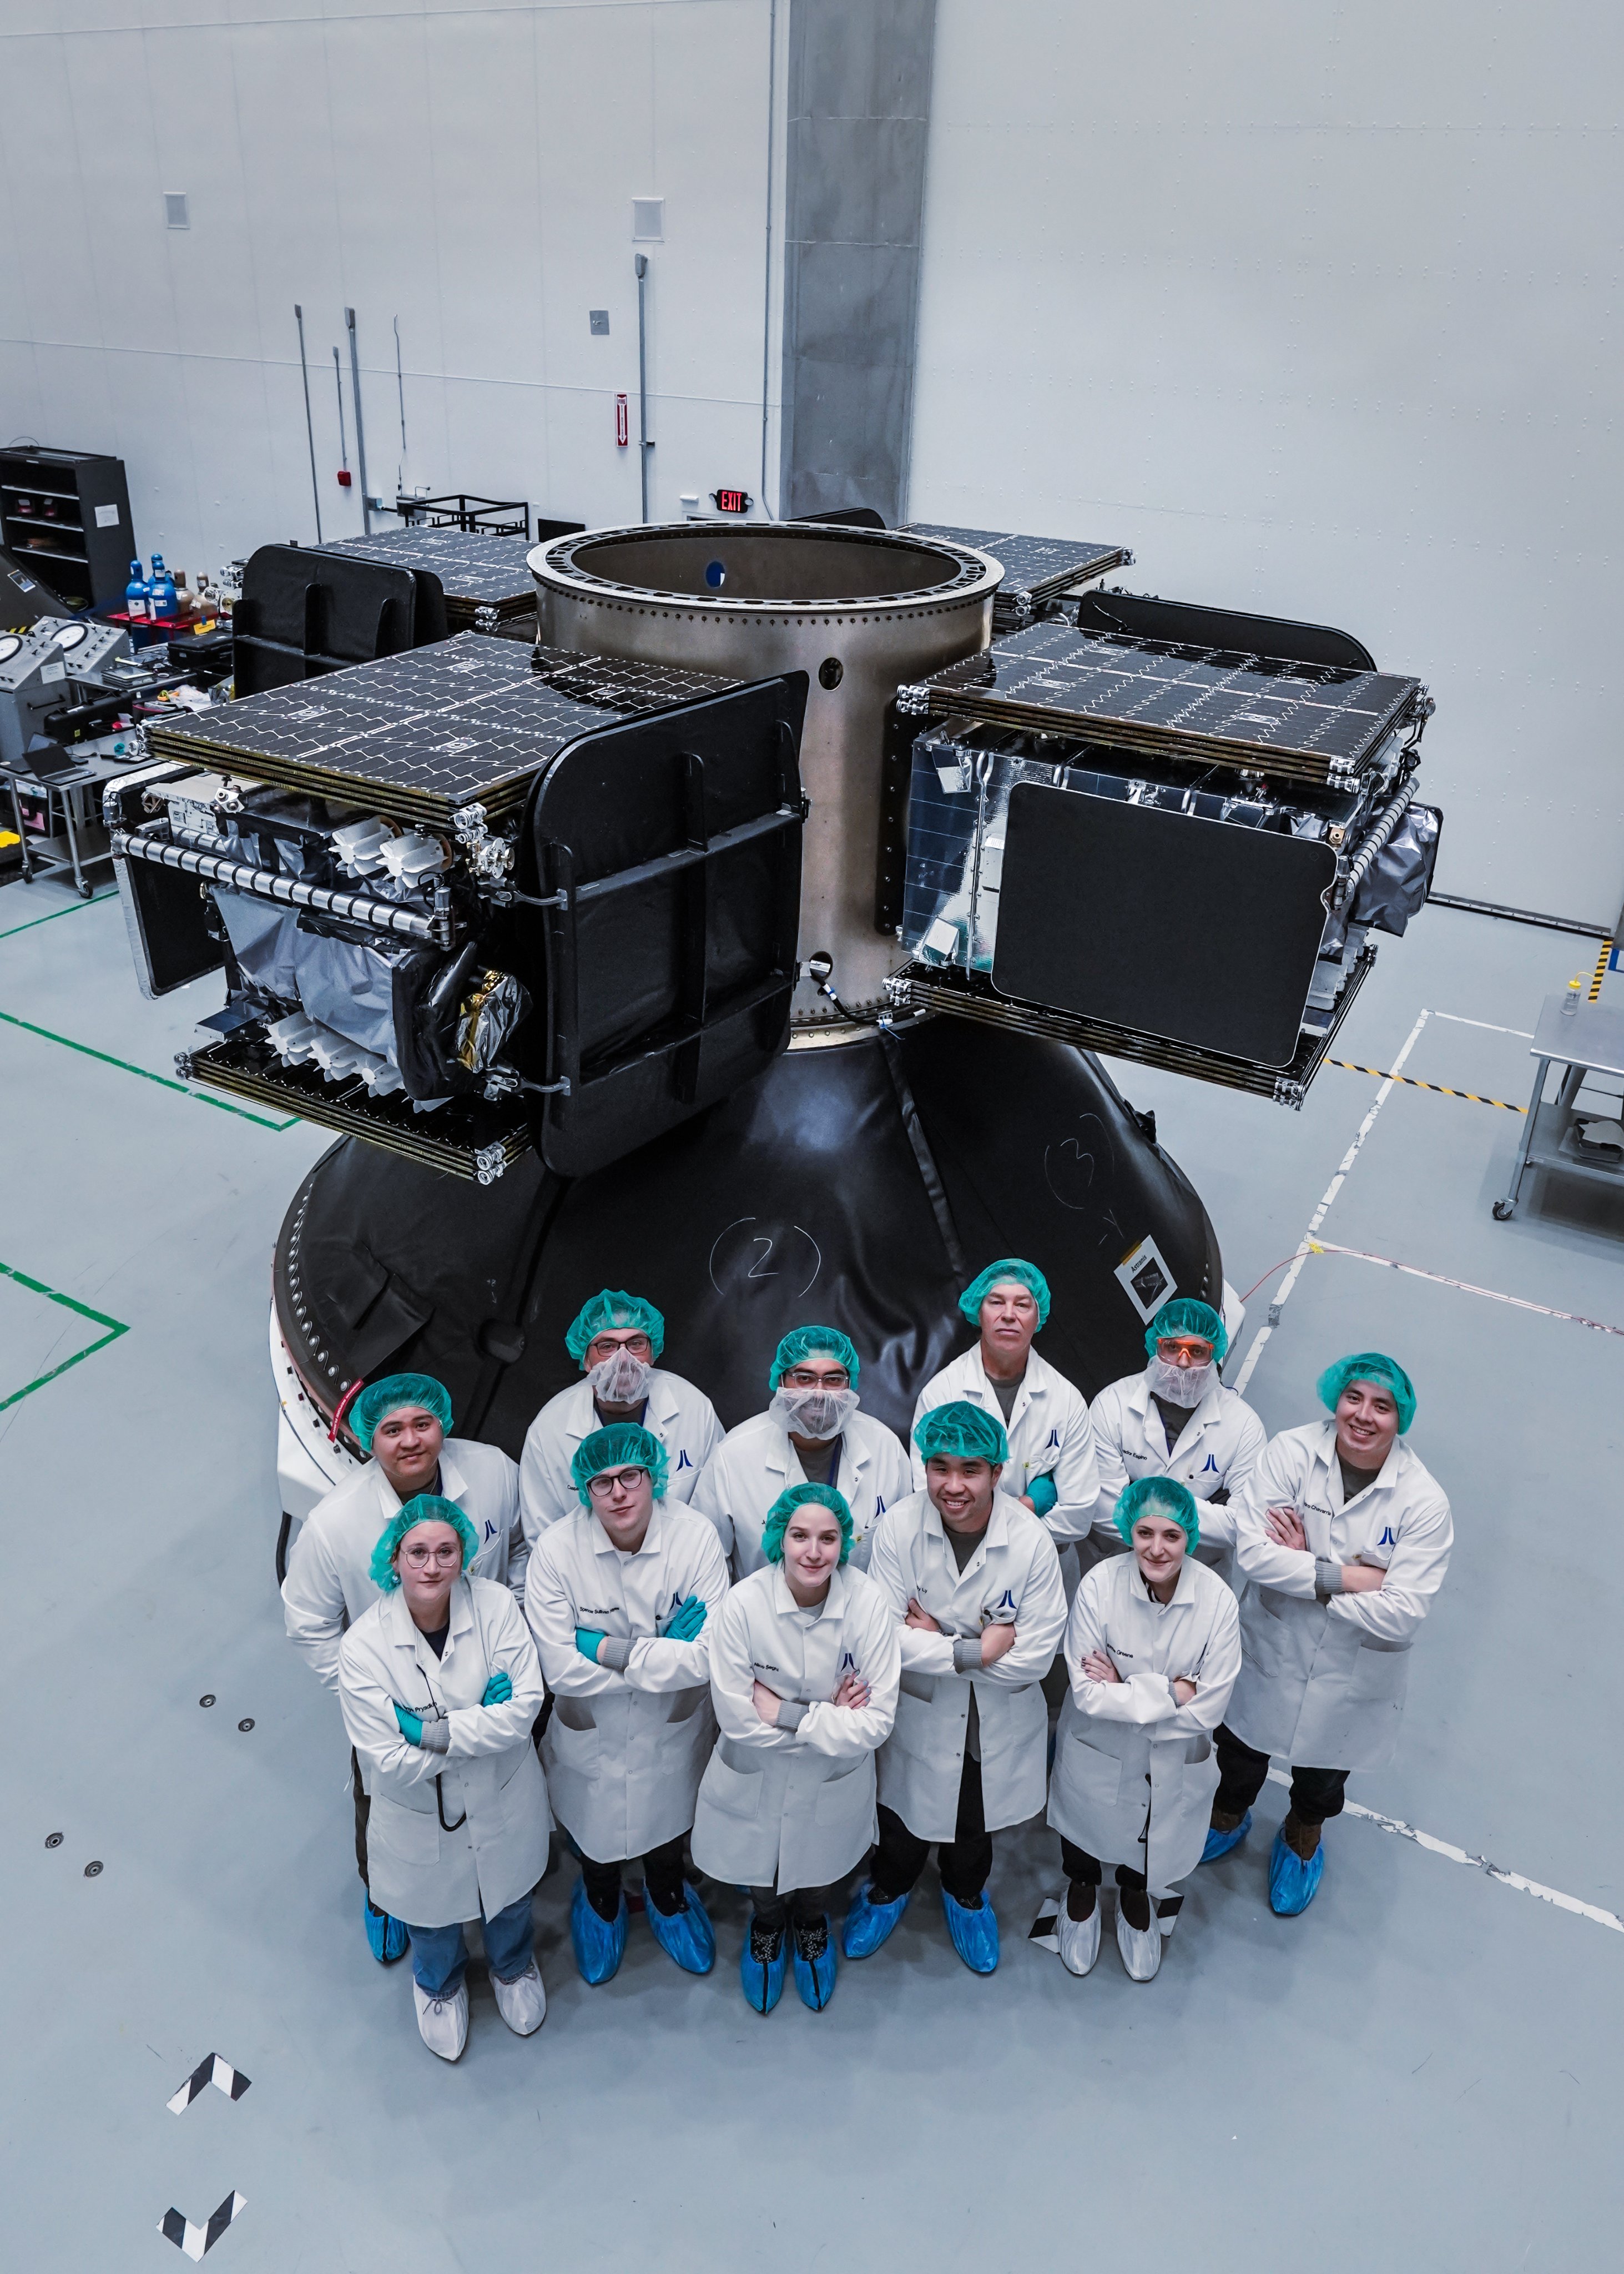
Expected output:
(789, 1650)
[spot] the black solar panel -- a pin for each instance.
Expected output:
(1035, 568)
(477, 570)
(415, 736)
(1313, 721)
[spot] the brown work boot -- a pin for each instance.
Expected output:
(1227, 1820)
(1302, 1839)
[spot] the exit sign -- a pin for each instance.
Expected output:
(732, 500)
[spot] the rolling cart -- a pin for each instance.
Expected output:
(1591, 1039)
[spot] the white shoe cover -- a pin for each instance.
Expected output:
(442, 2022)
(522, 2002)
(1141, 1949)
(1079, 1938)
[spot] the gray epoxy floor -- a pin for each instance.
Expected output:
(1424, 2071)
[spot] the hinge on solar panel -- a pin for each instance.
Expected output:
(501, 1082)
(509, 896)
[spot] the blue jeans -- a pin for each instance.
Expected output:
(439, 1955)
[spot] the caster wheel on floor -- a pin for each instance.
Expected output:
(85, 890)
(1504, 1210)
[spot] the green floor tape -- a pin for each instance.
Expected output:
(115, 1327)
(71, 910)
(163, 1081)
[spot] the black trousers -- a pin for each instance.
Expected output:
(363, 1809)
(662, 1876)
(965, 1862)
(800, 1904)
(1077, 1863)
(1317, 1795)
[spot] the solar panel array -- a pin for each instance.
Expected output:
(476, 569)
(1312, 722)
(1035, 568)
(415, 736)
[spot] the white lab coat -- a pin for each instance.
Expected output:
(625, 1752)
(756, 1462)
(794, 1808)
(449, 1836)
(681, 1417)
(1218, 1450)
(1049, 1432)
(329, 1584)
(1127, 1748)
(1322, 1683)
(1012, 1577)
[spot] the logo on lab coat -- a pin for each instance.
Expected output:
(1210, 1463)
(1387, 1538)
(1054, 1439)
(676, 1604)
(848, 1665)
(490, 1529)
(879, 1505)
(683, 1461)
(1004, 1610)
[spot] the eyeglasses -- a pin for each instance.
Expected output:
(1176, 1347)
(602, 1486)
(800, 1377)
(606, 1346)
(443, 1559)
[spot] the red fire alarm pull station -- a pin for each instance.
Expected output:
(622, 422)
(343, 478)
(732, 500)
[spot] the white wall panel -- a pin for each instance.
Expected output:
(467, 169)
(1317, 308)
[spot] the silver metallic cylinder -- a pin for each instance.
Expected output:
(859, 611)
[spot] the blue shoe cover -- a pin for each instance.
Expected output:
(386, 1938)
(814, 1961)
(1219, 1843)
(687, 1936)
(762, 1979)
(974, 1933)
(868, 1923)
(599, 1944)
(1292, 1882)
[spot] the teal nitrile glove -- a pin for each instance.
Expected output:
(498, 1690)
(411, 1725)
(1041, 1493)
(688, 1620)
(587, 1641)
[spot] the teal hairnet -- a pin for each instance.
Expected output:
(1158, 1496)
(393, 1391)
(997, 1275)
(828, 1341)
(803, 1496)
(963, 1431)
(423, 1507)
(1369, 1366)
(622, 1445)
(613, 1307)
(1186, 1317)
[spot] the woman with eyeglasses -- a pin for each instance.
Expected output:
(811, 1433)
(439, 1686)
(618, 1596)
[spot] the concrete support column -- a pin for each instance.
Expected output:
(858, 110)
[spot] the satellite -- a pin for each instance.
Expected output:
(753, 942)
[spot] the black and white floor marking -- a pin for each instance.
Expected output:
(194, 2240)
(1045, 1928)
(210, 2070)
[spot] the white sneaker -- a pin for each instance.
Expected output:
(1079, 1938)
(442, 2022)
(1140, 1947)
(522, 2002)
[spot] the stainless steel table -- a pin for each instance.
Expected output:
(1591, 1041)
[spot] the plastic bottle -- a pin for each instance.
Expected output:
(162, 590)
(135, 595)
(1570, 1000)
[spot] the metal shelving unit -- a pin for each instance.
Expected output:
(70, 508)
